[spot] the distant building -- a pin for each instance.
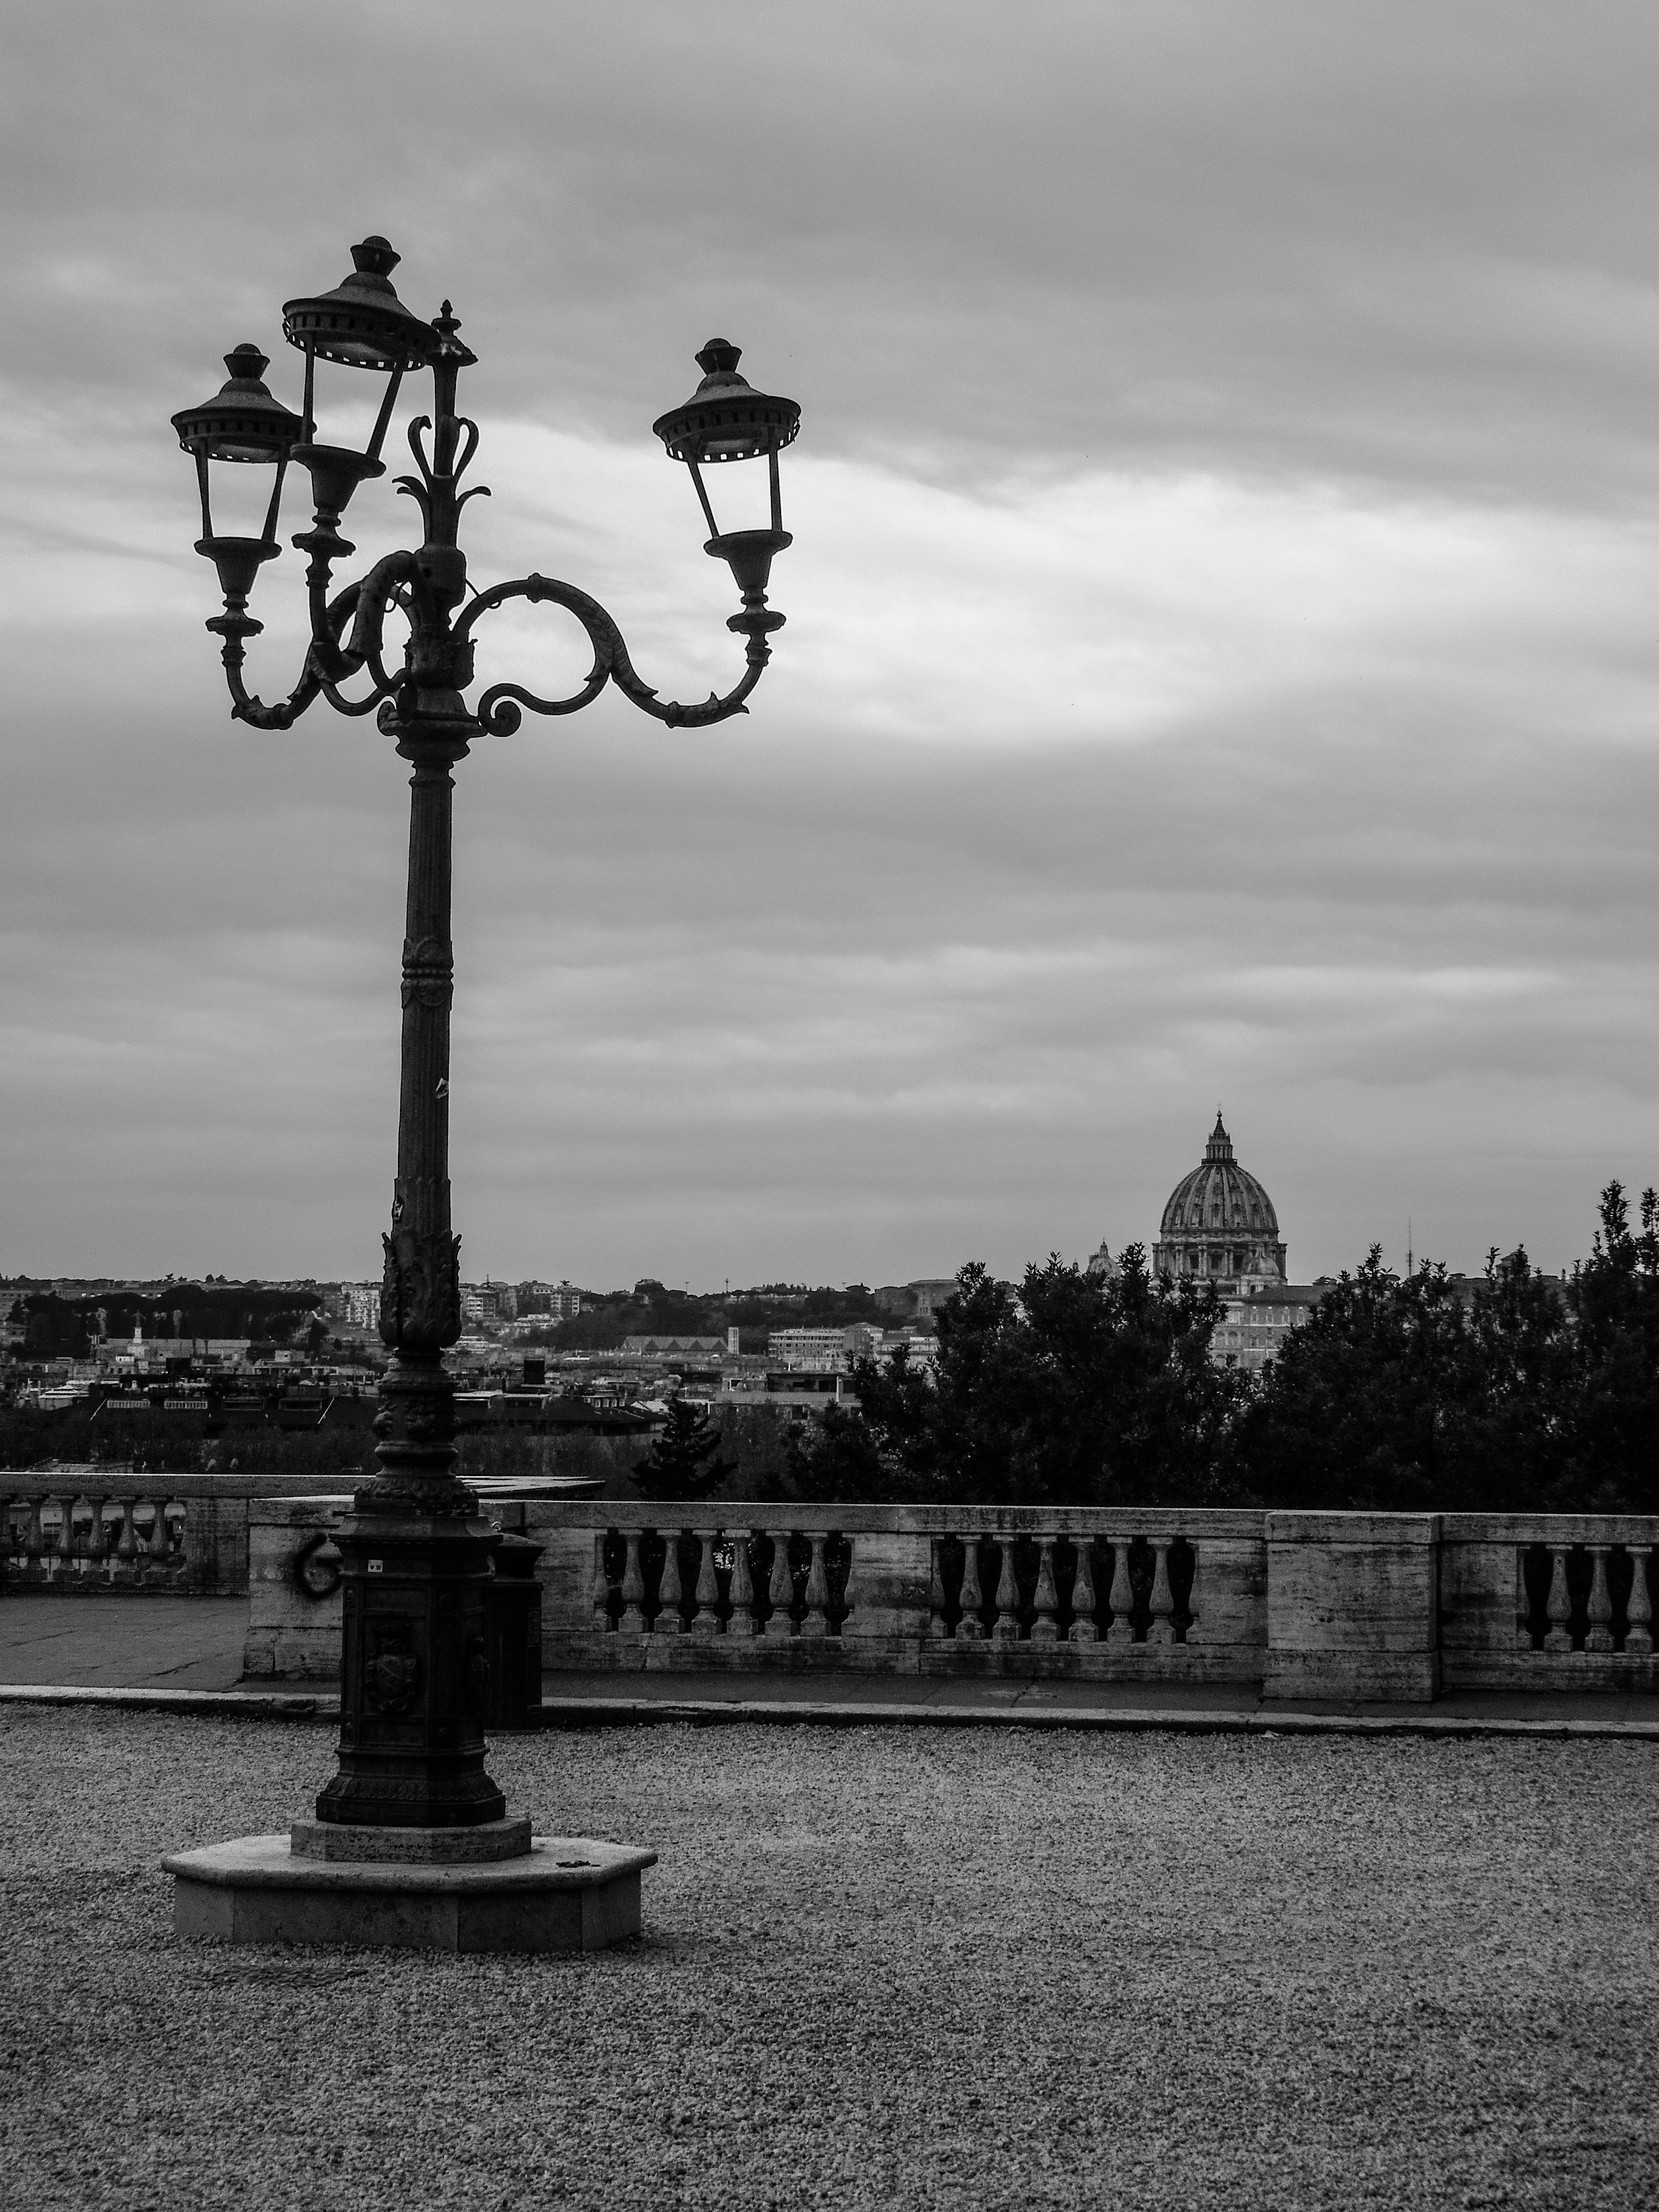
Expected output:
(672, 1347)
(352, 1305)
(797, 1392)
(1254, 1324)
(917, 1300)
(822, 1350)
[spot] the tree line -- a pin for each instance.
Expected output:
(1398, 1394)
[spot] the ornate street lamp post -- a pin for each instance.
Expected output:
(415, 1550)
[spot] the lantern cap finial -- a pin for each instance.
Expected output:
(725, 419)
(243, 422)
(360, 323)
(375, 257)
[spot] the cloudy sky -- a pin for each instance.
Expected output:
(1220, 664)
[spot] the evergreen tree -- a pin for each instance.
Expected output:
(1612, 1459)
(1354, 1412)
(683, 1460)
(1084, 1389)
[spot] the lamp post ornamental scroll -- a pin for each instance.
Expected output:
(415, 1551)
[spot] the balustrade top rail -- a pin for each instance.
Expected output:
(726, 1513)
(553, 1497)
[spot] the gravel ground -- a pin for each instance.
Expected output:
(880, 1968)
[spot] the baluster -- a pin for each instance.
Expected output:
(126, 1544)
(1523, 1602)
(34, 1544)
(1195, 1602)
(1004, 1629)
(54, 1549)
(1600, 1636)
(1083, 1595)
(97, 1538)
(669, 1620)
(632, 1622)
(850, 1587)
(1045, 1629)
(742, 1622)
(1121, 1596)
(174, 1526)
(1560, 1604)
(153, 1548)
(1162, 1627)
(970, 1629)
(781, 1589)
(816, 1623)
(75, 1548)
(936, 1588)
(601, 1585)
(706, 1620)
(1638, 1637)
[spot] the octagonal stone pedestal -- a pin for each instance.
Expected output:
(564, 1893)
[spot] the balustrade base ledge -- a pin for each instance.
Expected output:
(624, 1654)
(629, 1654)
(74, 1584)
(1368, 1677)
(1592, 1672)
(574, 1713)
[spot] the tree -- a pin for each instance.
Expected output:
(1083, 1390)
(682, 1462)
(1612, 1444)
(1354, 1410)
(830, 1460)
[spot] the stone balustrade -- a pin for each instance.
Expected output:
(122, 1538)
(1553, 1600)
(1309, 1605)
(91, 1530)
(1141, 1595)
(1384, 1607)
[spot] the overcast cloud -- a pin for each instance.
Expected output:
(1220, 662)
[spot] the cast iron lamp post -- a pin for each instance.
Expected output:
(415, 1550)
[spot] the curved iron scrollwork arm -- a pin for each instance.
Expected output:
(390, 582)
(498, 709)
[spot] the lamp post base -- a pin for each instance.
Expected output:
(564, 1893)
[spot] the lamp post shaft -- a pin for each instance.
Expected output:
(420, 1295)
(417, 1556)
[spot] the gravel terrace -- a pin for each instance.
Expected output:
(880, 1968)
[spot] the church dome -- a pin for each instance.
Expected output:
(1220, 1223)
